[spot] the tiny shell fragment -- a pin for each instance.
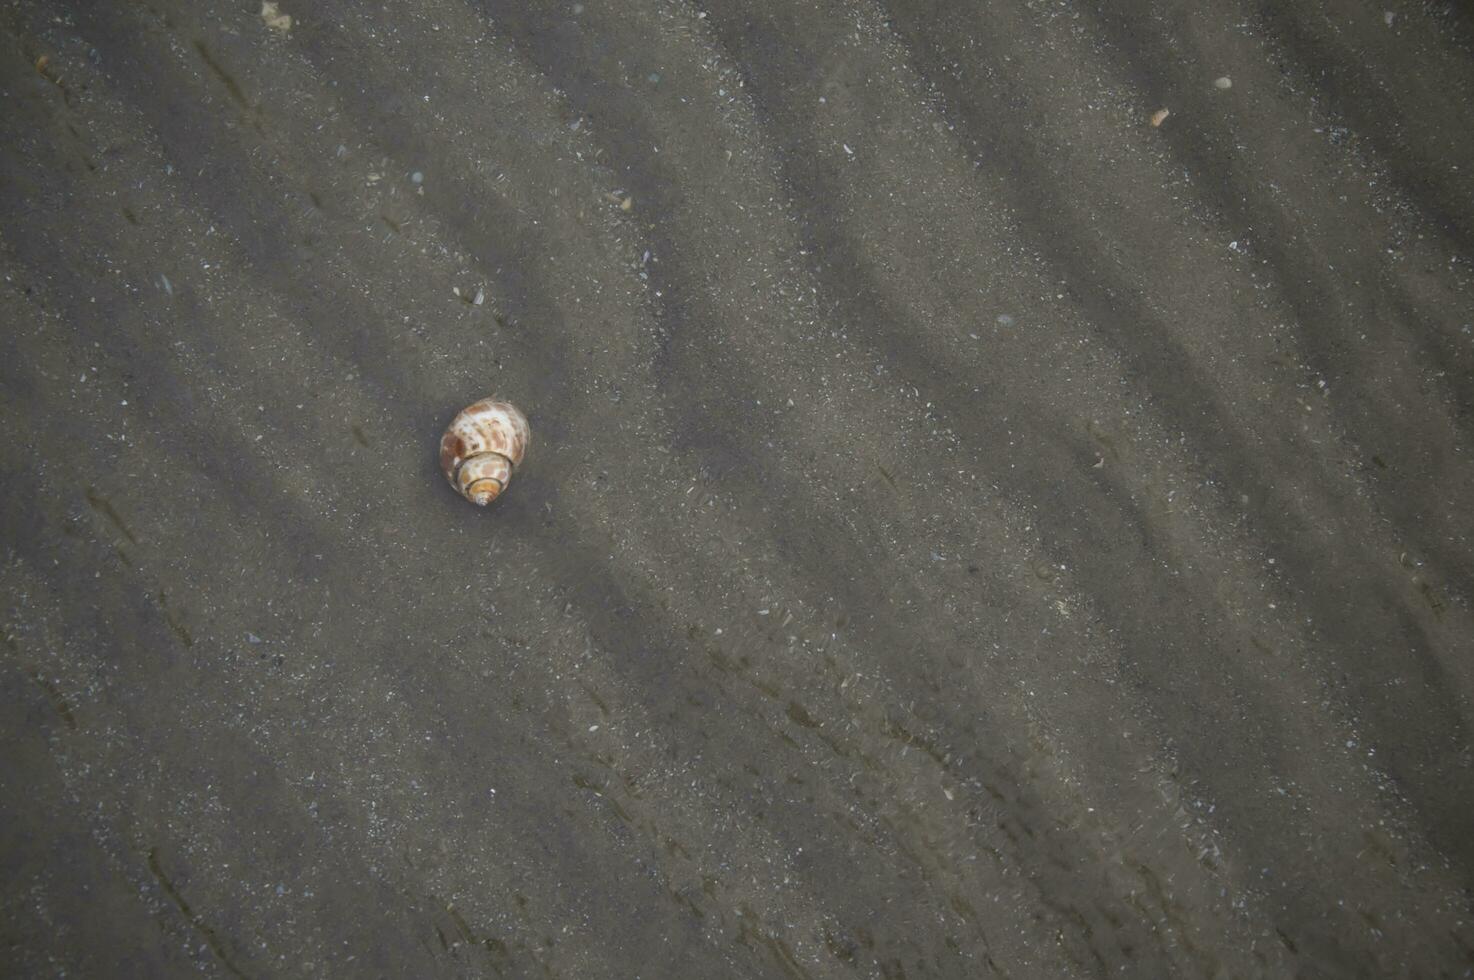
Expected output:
(1159, 116)
(274, 19)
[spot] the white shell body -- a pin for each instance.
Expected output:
(483, 447)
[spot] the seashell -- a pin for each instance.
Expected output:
(482, 448)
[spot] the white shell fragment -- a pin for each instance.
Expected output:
(483, 447)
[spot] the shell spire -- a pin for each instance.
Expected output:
(483, 447)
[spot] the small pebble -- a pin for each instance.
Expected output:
(1160, 116)
(417, 178)
(1223, 82)
(1004, 320)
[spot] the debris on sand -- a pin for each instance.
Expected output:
(274, 18)
(1160, 116)
(1223, 82)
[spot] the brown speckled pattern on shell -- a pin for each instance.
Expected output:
(483, 447)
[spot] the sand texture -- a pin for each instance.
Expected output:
(976, 524)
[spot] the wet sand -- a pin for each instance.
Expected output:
(969, 530)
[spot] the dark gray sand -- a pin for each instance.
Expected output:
(969, 529)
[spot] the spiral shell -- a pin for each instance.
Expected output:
(482, 448)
